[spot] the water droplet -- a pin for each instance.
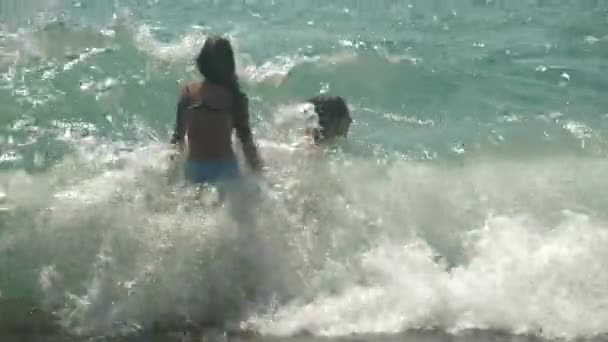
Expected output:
(10, 157)
(108, 33)
(346, 43)
(324, 88)
(39, 159)
(86, 85)
(591, 40)
(555, 115)
(459, 148)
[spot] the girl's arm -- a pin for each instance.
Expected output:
(243, 132)
(180, 119)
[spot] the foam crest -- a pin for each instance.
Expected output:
(183, 49)
(276, 70)
(519, 279)
(344, 245)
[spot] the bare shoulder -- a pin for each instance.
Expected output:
(190, 87)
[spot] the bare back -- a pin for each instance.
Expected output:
(206, 115)
(208, 122)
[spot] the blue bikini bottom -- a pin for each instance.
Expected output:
(211, 171)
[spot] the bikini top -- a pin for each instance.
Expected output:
(209, 104)
(206, 115)
(207, 120)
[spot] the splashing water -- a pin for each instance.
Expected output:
(468, 196)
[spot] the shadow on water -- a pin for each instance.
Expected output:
(27, 323)
(23, 320)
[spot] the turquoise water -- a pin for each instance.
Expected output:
(470, 194)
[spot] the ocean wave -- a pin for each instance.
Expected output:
(518, 279)
(452, 205)
(349, 246)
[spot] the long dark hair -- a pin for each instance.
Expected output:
(217, 65)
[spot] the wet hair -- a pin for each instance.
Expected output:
(216, 63)
(216, 60)
(331, 110)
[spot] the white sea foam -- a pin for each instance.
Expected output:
(414, 246)
(519, 279)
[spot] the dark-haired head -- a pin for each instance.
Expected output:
(334, 117)
(216, 61)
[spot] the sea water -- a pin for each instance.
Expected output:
(470, 194)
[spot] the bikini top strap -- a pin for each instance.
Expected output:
(201, 103)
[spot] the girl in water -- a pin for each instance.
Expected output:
(207, 113)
